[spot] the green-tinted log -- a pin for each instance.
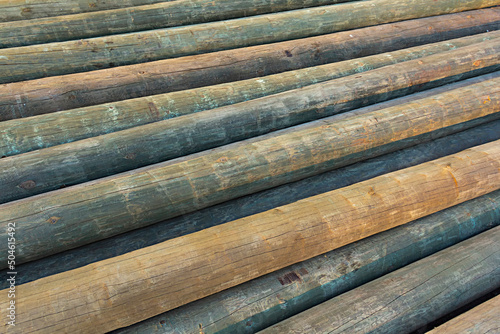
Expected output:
(137, 285)
(70, 217)
(23, 99)
(31, 62)
(140, 18)
(14, 10)
(411, 297)
(289, 291)
(27, 134)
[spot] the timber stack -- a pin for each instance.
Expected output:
(244, 166)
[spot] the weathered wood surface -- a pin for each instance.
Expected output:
(14, 10)
(27, 134)
(408, 298)
(71, 217)
(140, 18)
(51, 168)
(23, 99)
(132, 287)
(482, 319)
(262, 201)
(262, 302)
(35, 61)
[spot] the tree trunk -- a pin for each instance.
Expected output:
(129, 288)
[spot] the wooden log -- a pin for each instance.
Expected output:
(35, 61)
(484, 318)
(411, 297)
(140, 18)
(45, 95)
(14, 10)
(27, 134)
(129, 288)
(260, 303)
(51, 168)
(92, 211)
(262, 201)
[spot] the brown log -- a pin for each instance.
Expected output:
(133, 287)
(24, 99)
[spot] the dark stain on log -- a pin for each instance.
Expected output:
(26, 10)
(289, 278)
(288, 53)
(131, 156)
(53, 220)
(155, 114)
(30, 184)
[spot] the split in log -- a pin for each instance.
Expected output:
(411, 297)
(35, 61)
(26, 10)
(49, 169)
(140, 18)
(484, 318)
(133, 287)
(23, 99)
(53, 222)
(262, 302)
(262, 201)
(32, 133)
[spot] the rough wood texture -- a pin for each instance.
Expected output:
(27, 134)
(50, 94)
(30, 62)
(14, 10)
(262, 302)
(410, 297)
(482, 319)
(262, 201)
(140, 18)
(71, 217)
(63, 165)
(132, 287)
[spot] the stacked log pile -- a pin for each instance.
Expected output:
(320, 166)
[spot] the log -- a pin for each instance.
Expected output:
(51, 168)
(410, 297)
(15, 10)
(259, 202)
(23, 99)
(132, 287)
(35, 61)
(27, 134)
(140, 18)
(484, 318)
(88, 212)
(260, 303)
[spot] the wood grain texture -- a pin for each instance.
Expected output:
(69, 164)
(430, 148)
(35, 61)
(71, 217)
(482, 319)
(260, 303)
(140, 18)
(132, 287)
(23, 99)
(412, 296)
(27, 134)
(14, 10)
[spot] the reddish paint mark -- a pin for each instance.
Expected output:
(477, 63)
(30, 184)
(303, 271)
(53, 220)
(289, 278)
(223, 159)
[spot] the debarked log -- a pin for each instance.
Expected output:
(260, 202)
(99, 209)
(411, 297)
(129, 288)
(23, 99)
(140, 18)
(484, 318)
(262, 302)
(25, 10)
(27, 134)
(35, 61)
(51, 168)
